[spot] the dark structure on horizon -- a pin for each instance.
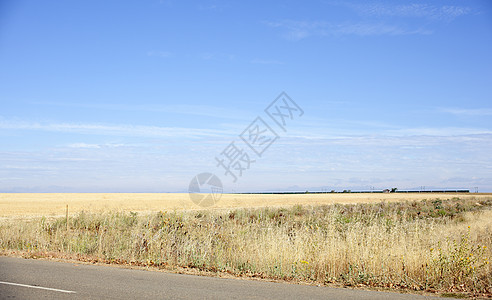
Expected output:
(358, 192)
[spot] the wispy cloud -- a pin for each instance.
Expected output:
(266, 62)
(297, 30)
(356, 135)
(84, 146)
(116, 130)
(184, 109)
(415, 10)
(213, 6)
(437, 131)
(213, 56)
(468, 111)
(382, 22)
(367, 29)
(324, 160)
(99, 146)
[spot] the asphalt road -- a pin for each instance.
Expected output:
(38, 279)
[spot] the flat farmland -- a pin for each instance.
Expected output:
(54, 204)
(389, 241)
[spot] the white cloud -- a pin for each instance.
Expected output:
(437, 131)
(212, 56)
(415, 10)
(118, 130)
(468, 111)
(213, 6)
(375, 29)
(23, 167)
(297, 30)
(403, 161)
(69, 159)
(185, 109)
(329, 128)
(84, 146)
(100, 146)
(266, 62)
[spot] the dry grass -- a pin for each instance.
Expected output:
(46, 204)
(434, 245)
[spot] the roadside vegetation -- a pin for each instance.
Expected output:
(441, 246)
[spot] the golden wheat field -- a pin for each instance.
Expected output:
(440, 245)
(54, 204)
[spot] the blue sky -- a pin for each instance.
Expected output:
(140, 96)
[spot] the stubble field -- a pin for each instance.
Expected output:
(434, 243)
(54, 204)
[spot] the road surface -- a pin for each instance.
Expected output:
(38, 279)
